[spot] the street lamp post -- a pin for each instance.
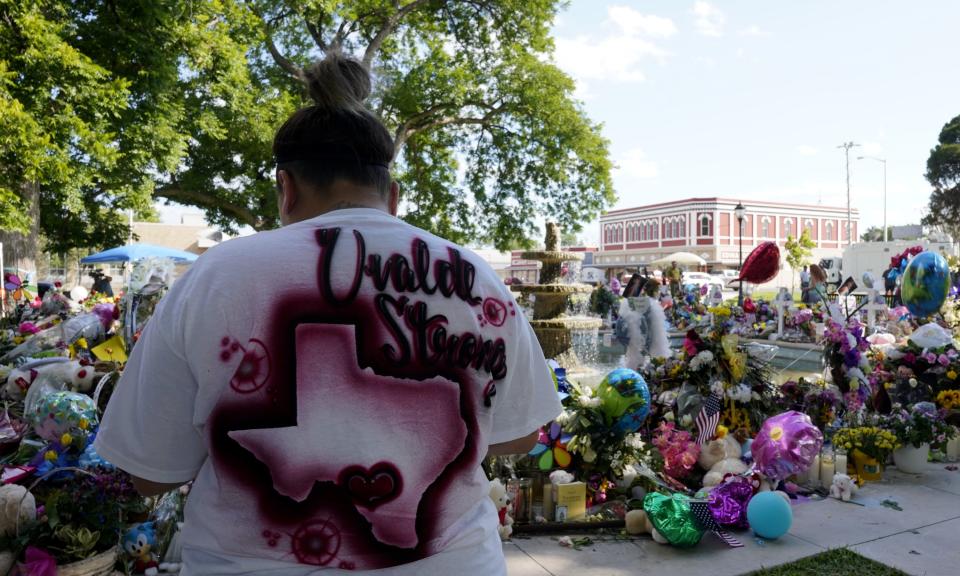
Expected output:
(884, 162)
(740, 211)
(846, 154)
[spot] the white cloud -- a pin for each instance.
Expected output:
(634, 23)
(753, 31)
(805, 150)
(869, 149)
(635, 164)
(617, 53)
(709, 19)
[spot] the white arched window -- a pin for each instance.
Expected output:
(788, 227)
(765, 227)
(829, 230)
(705, 225)
(808, 226)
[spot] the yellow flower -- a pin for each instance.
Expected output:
(66, 439)
(721, 431)
(51, 455)
(952, 375)
(83, 424)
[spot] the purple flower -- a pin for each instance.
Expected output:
(852, 358)
(930, 358)
(909, 358)
(943, 360)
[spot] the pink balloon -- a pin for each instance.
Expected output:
(762, 264)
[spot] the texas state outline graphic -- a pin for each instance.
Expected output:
(409, 430)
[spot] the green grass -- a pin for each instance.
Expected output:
(839, 562)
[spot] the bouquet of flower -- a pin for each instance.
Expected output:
(678, 449)
(924, 424)
(873, 441)
(845, 353)
(596, 446)
(814, 398)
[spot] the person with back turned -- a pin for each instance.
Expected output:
(335, 422)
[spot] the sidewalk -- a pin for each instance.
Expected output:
(921, 539)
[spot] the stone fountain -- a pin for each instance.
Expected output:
(551, 323)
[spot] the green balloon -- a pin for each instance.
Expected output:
(672, 518)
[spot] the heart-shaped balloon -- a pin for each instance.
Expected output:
(762, 264)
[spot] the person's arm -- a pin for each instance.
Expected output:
(146, 488)
(518, 446)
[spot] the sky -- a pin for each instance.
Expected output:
(750, 99)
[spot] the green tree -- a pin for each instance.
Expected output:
(487, 131)
(875, 234)
(799, 251)
(84, 127)
(943, 173)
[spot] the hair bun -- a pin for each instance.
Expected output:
(338, 83)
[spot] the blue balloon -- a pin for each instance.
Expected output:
(769, 515)
(627, 384)
(926, 283)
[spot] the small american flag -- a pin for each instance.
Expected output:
(708, 418)
(701, 512)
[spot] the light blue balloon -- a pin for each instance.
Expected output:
(769, 515)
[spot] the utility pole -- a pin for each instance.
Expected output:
(846, 153)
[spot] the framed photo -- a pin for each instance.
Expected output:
(848, 286)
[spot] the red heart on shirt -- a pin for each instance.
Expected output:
(371, 487)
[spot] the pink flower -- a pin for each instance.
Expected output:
(930, 358)
(944, 360)
(909, 358)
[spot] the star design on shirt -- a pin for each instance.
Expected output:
(385, 440)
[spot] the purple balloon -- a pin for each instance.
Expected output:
(786, 444)
(728, 502)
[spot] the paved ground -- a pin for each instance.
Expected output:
(922, 539)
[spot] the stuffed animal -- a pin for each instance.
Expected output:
(637, 522)
(138, 543)
(843, 487)
(17, 506)
(719, 458)
(55, 375)
(501, 500)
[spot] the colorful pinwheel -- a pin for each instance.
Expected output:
(14, 287)
(551, 447)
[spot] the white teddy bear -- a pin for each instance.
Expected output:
(719, 458)
(501, 500)
(843, 487)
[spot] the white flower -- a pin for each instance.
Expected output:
(755, 396)
(667, 397)
(717, 387)
(634, 441)
(564, 418)
(592, 402)
(565, 541)
(686, 420)
(913, 382)
(700, 360)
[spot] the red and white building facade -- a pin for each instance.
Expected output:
(707, 227)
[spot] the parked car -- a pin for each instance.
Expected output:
(702, 279)
(726, 276)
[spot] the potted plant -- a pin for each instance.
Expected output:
(869, 446)
(916, 430)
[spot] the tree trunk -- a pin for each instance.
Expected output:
(21, 250)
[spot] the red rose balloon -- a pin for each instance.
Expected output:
(762, 264)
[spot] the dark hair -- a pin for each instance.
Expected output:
(337, 138)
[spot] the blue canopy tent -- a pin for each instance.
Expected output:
(134, 252)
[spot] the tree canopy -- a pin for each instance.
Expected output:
(943, 173)
(799, 250)
(108, 105)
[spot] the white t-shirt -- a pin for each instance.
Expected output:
(333, 387)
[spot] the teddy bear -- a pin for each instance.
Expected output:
(56, 375)
(637, 522)
(843, 487)
(501, 500)
(721, 457)
(18, 509)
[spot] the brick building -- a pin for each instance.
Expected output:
(632, 237)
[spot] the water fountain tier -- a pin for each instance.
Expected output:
(551, 323)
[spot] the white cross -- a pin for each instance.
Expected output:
(873, 307)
